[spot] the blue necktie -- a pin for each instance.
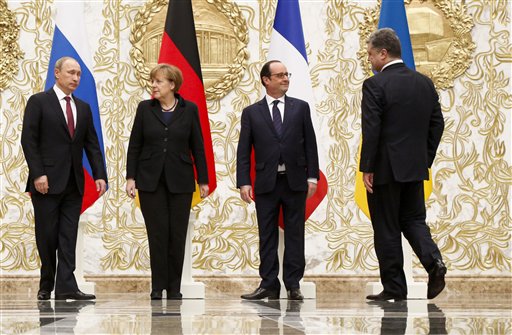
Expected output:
(276, 118)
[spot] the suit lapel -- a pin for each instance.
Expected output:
(156, 110)
(178, 113)
(80, 117)
(265, 114)
(289, 112)
(56, 108)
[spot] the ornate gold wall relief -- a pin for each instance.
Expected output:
(222, 38)
(440, 37)
(11, 53)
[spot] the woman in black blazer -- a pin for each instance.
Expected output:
(165, 144)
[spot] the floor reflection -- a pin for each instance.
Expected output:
(278, 316)
(51, 312)
(333, 314)
(396, 316)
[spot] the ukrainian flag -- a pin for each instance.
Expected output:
(392, 15)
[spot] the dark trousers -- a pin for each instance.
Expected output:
(166, 217)
(397, 208)
(56, 227)
(268, 206)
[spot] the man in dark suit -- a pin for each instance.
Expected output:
(402, 126)
(280, 131)
(57, 127)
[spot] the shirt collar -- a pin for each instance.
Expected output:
(61, 95)
(270, 99)
(396, 61)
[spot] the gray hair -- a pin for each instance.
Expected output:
(60, 62)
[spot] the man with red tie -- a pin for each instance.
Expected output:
(57, 128)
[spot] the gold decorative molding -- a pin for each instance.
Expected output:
(440, 36)
(11, 53)
(222, 35)
(469, 209)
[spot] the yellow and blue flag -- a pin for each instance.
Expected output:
(392, 15)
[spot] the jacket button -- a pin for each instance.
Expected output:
(165, 150)
(165, 139)
(166, 128)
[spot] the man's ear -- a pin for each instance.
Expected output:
(384, 53)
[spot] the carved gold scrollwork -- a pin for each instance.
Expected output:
(440, 37)
(222, 35)
(11, 53)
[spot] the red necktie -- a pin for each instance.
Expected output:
(69, 114)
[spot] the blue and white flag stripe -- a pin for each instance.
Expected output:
(70, 39)
(287, 45)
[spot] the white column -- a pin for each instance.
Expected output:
(189, 288)
(84, 286)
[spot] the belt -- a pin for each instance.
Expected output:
(281, 173)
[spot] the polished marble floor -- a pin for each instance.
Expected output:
(328, 314)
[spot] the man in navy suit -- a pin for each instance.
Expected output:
(279, 130)
(402, 126)
(57, 127)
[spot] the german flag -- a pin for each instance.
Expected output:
(179, 48)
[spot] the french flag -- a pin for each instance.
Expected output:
(287, 45)
(70, 39)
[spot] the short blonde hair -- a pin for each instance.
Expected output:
(170, 72)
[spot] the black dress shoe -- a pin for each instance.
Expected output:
(436, 282)
(174, 296)
(78, 295)
(295, 294)
(156, 295)
(43, 295)
(261, 293)
(384, 296)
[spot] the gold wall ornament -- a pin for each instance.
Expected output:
(440, 36)
(222, 38)
(11, 53)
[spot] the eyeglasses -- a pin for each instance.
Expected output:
(282, 75)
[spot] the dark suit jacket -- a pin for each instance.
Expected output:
(49, 148)
(402, 124)
(173, 148)
(297, 146)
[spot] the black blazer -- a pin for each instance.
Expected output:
(402, 125)
(297, 146)
(173, 148)
(49, 148)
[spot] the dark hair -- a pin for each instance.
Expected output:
(265, 70)
(386, 38)
(170, 72)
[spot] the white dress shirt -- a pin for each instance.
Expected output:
(61, 95)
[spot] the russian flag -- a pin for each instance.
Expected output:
(70, 39)
(287, 45)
